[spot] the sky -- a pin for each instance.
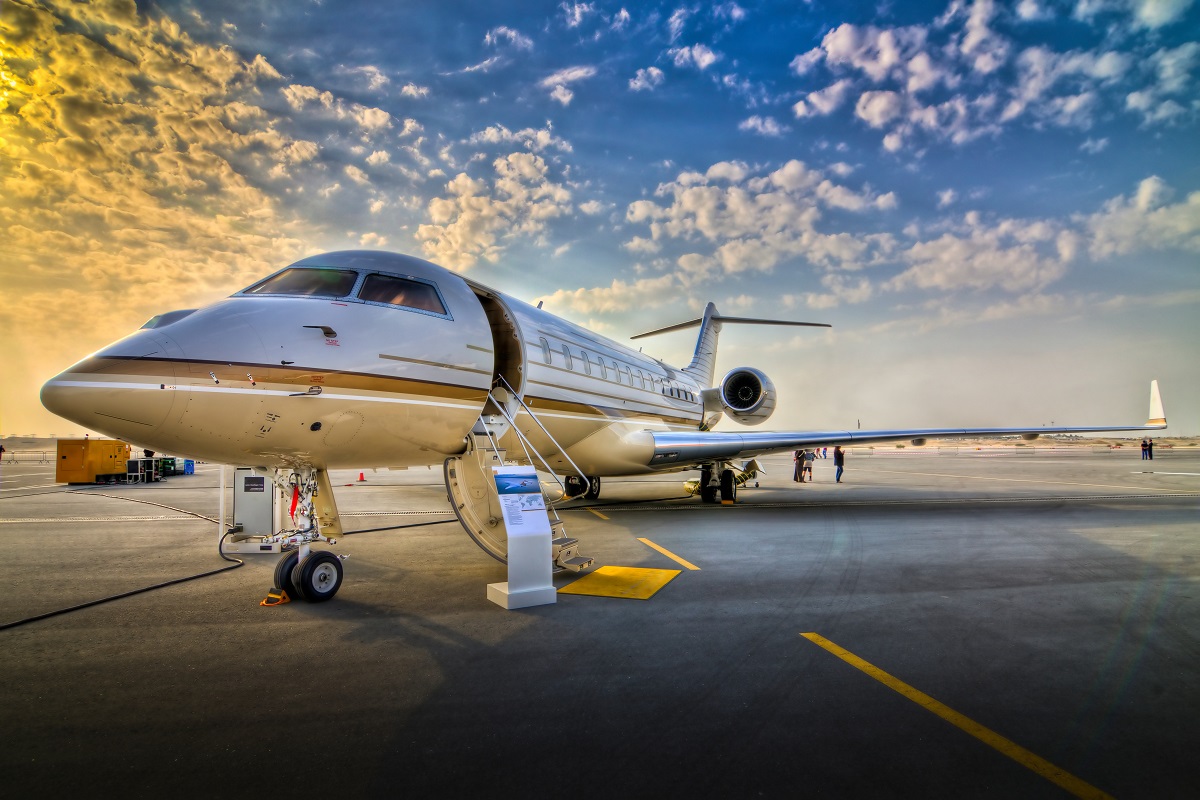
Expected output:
(996, 205)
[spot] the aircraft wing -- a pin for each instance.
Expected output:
(676, 448)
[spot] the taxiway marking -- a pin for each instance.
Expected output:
(1193, 474)
(670, 555)
(1025, 758)
(597, 513)
(1018, 480)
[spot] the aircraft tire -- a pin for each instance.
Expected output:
(319, 576)
(728, 486)
(593, 491)
(283, 573)
(708, 492)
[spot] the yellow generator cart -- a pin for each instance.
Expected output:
(90, 460)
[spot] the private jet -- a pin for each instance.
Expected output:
(366, 359)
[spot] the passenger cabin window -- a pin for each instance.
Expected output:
(603, 369)
(396, 291)
(308, 282)
(545, 349)
(567, 356)
(587, 362)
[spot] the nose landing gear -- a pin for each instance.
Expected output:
(303, 573)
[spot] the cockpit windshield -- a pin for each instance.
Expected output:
(320, 282)
(397, 291)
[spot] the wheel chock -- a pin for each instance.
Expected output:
(275, 597)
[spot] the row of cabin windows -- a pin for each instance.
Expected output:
(617, 371)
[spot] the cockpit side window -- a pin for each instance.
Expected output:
(321, 282)
(396, 291)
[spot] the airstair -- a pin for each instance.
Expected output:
(471, 487)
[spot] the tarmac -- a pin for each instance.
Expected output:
(941, 624)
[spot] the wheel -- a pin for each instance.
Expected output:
(319, 576)
(728, 487)
(574, 486)
(708, 492)
(593, 490)
(283, 574)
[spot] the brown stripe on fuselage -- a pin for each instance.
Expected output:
(261, 373)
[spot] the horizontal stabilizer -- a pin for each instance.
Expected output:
(720, 318)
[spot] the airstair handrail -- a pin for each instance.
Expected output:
(521, 437)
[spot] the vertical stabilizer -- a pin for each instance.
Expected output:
(704, 360)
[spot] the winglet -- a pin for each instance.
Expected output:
(1158, 417)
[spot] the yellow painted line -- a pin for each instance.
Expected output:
(597, 513)
(1019, 480)
(670, 555)
(989, 737)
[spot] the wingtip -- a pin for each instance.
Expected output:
(1157, 417)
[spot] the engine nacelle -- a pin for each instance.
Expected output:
(748, 395)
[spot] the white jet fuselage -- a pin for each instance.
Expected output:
(284, 379)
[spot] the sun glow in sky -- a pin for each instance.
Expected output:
(997, 206)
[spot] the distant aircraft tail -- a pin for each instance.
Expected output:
(703, 366)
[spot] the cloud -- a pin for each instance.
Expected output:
(537, 140)
(1147, 220)
(750, 221)
(1171, 70)
(575, 13)
(559, 81)
(505, 34)
(375, 77)
(476, 219)
(646, 80)
(824, 101)
(878, 109)
(1013, 255)
(946, 197)
(618, 296)
(412, 90)
(698, 55)
(371, 119)
(764, 126)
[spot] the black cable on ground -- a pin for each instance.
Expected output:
(237, 563)
(401, 527)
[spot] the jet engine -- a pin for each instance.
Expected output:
(748, 395)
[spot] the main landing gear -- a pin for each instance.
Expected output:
(576, 487)
(304, 573)
(724, 487)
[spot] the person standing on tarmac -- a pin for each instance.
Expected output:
(839, 462)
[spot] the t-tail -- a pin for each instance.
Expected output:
(703, 366)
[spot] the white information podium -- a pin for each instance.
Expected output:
(529, 550)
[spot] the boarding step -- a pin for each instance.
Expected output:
(566, 554)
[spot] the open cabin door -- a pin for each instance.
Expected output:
(510, 350)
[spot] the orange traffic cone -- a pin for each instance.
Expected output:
(361, 478)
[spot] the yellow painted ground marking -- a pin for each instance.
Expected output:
(670, 555)
(597, 513)
(1019, 480)
(634, 583)
(989, 737)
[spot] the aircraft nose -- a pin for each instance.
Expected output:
(117, 395)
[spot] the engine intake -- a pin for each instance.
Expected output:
(748, 395)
